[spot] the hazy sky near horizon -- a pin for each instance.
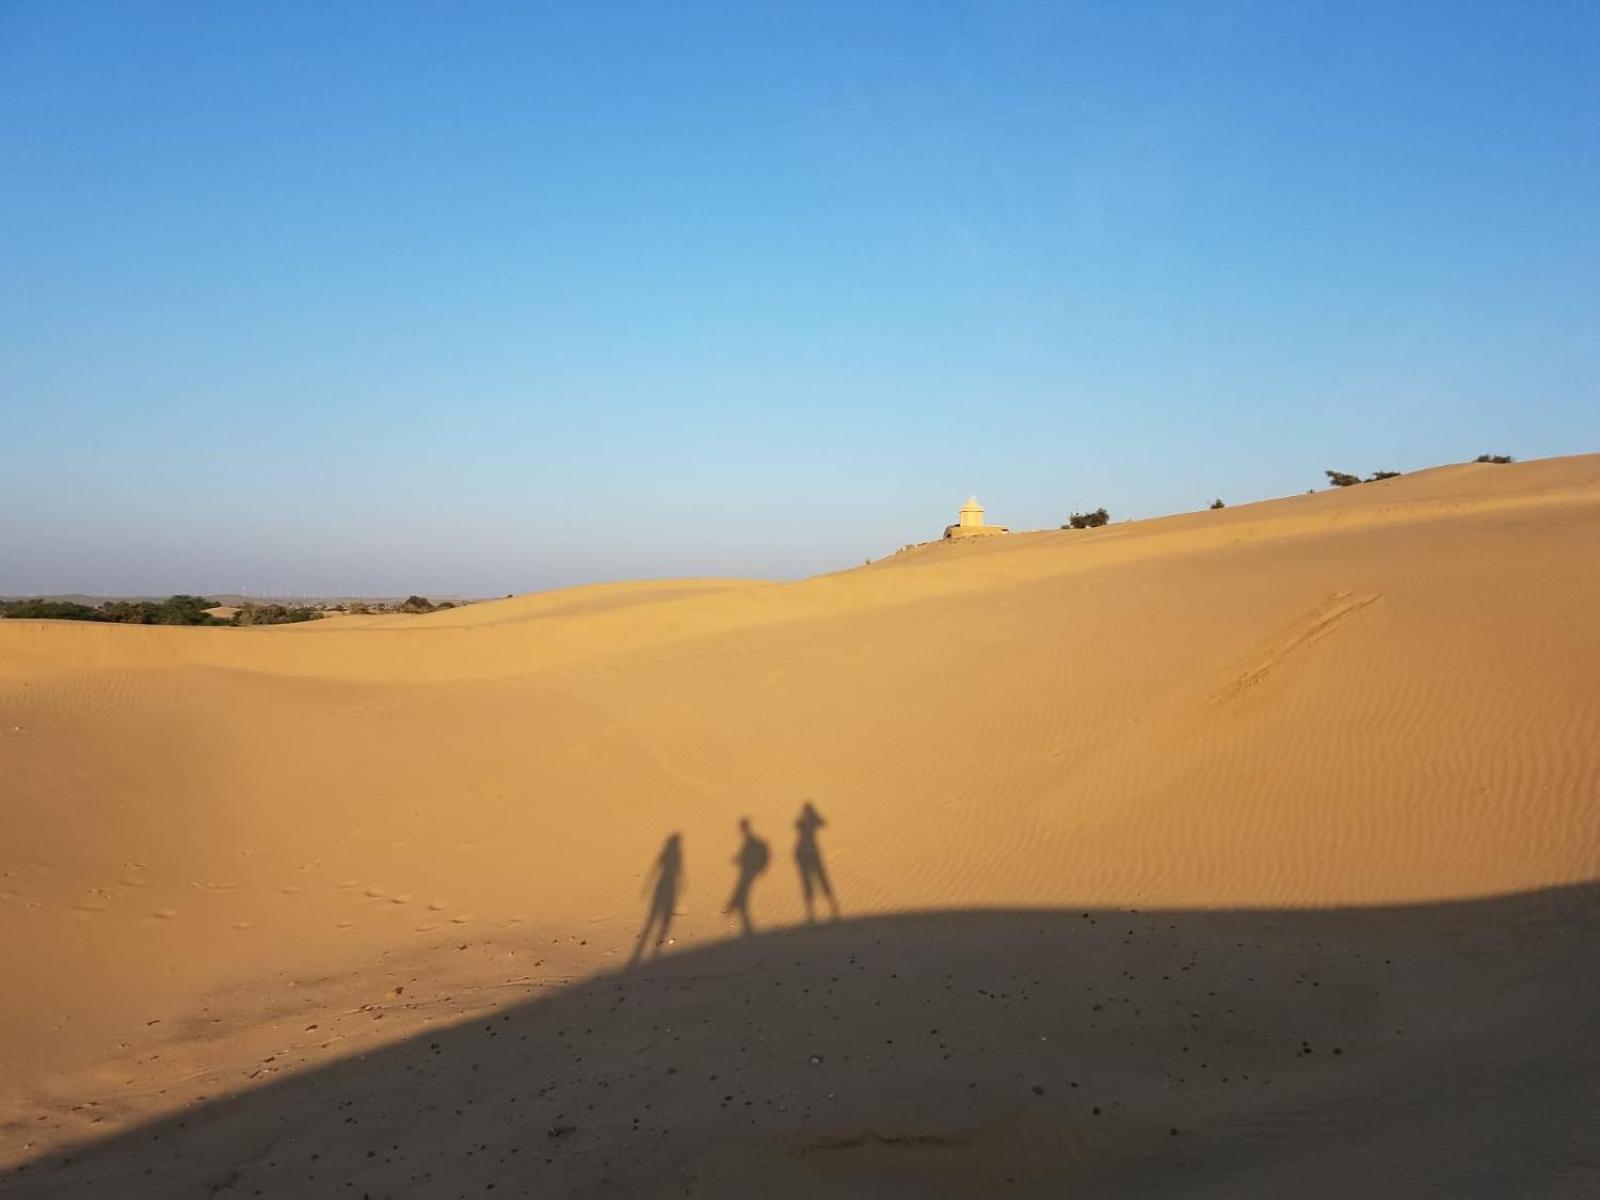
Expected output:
(383, 298)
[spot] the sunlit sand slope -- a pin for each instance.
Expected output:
(216, 837)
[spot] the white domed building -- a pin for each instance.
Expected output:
(970, 523)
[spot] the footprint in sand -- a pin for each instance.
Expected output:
(461, 918)
(427, 927)
(346, 924)
(375, 892)
(437, 906)
(402, 898)
(165, 914)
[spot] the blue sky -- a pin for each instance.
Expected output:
(378, 298)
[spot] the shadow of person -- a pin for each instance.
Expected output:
(751, 861)
(667, 871)
(808, 857)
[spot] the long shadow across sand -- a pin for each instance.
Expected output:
(1432, 1050)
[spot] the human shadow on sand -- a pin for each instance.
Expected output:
(666, 873)
(1422, 1050)
(751, 862)
(808, 858)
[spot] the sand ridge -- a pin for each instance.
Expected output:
(607, 619)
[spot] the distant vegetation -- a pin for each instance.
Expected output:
(174, 610)
(50, 610)
(1218, 504)
(1342, 479)
(1091, 520)
(275, 614)
(411, 604)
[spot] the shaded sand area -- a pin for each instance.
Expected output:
(1223, 854)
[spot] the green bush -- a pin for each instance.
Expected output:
(1218, 504)
(1377, 475)
(1494, 458)
(1091, 520)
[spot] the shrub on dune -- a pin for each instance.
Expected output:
(1091, 520)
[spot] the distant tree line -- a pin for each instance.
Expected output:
(411, 604)
(274, 614)
(1494, 458)
(174, 610)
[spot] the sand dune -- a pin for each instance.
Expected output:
(1327, 727)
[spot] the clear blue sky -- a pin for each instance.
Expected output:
(481, 298)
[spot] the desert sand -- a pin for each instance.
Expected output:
(1242, 852)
